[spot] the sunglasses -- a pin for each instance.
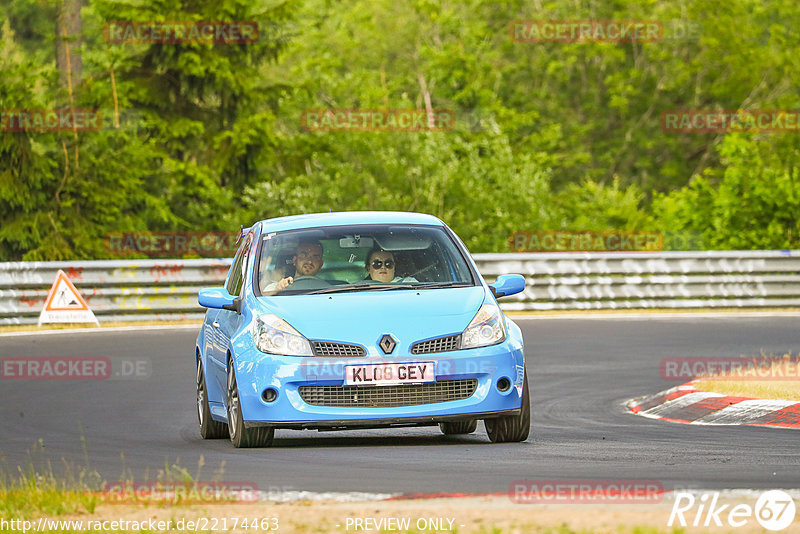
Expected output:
(377, 264)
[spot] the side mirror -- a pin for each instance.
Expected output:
(219, 298)
(507, 284)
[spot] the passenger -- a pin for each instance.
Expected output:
(307, 263)
(283, 268)
(381, 267)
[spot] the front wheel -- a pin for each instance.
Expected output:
(242, 437)
(454, 428)
(512, 427)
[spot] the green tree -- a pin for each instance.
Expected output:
(755, 206)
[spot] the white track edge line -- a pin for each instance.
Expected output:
(101, 329)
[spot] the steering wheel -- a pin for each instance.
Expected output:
(423, 270)
(302, 283)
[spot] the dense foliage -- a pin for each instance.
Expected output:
(547, 136)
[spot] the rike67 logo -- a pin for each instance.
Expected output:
(774, 510)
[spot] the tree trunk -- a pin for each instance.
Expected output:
(68, 40)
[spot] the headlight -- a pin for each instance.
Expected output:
(276, 336)
(486, 328)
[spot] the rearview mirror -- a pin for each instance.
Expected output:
(507, 284)
(356, 242)
(218, 298)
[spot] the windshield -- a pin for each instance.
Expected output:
(360, 258)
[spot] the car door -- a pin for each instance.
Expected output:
(227, 321)
(209, 342)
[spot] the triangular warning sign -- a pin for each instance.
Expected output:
(64, 304)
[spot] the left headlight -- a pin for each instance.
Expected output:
(276, 336)
(486, 328)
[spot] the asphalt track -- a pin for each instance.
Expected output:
(582, 370)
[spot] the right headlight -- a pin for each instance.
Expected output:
(486, 328)
(276, 336)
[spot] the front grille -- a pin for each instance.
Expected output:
(440, 344)
(387, 396)
(325, 348)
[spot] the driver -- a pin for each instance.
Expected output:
(307, 262)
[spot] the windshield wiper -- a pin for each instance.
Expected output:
(436, 285)
(360, 287)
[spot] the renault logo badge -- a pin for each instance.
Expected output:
(387, 344)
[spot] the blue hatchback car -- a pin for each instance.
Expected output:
(358, 320)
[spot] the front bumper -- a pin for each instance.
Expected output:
(256, 372)
(351, 424)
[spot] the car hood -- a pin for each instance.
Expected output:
(363, 317)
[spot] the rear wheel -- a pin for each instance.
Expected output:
(454, 428)
(243, 437)
(512, 427)
(209, 429)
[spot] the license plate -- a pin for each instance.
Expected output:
(381, 374)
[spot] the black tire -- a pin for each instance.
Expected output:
(454, 428)
(243, 437)
(209, 429)
(512, 427)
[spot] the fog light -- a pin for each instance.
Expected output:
(269, 395)
(503, 384)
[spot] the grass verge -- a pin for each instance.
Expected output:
(75, 504)
(765, 377)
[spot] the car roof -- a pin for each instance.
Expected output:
(311, 220)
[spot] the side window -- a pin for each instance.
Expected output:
(236, 279)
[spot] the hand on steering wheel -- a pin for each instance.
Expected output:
(284, 283)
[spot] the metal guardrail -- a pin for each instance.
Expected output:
(114, 290)
(636, 280)
(167, 289)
